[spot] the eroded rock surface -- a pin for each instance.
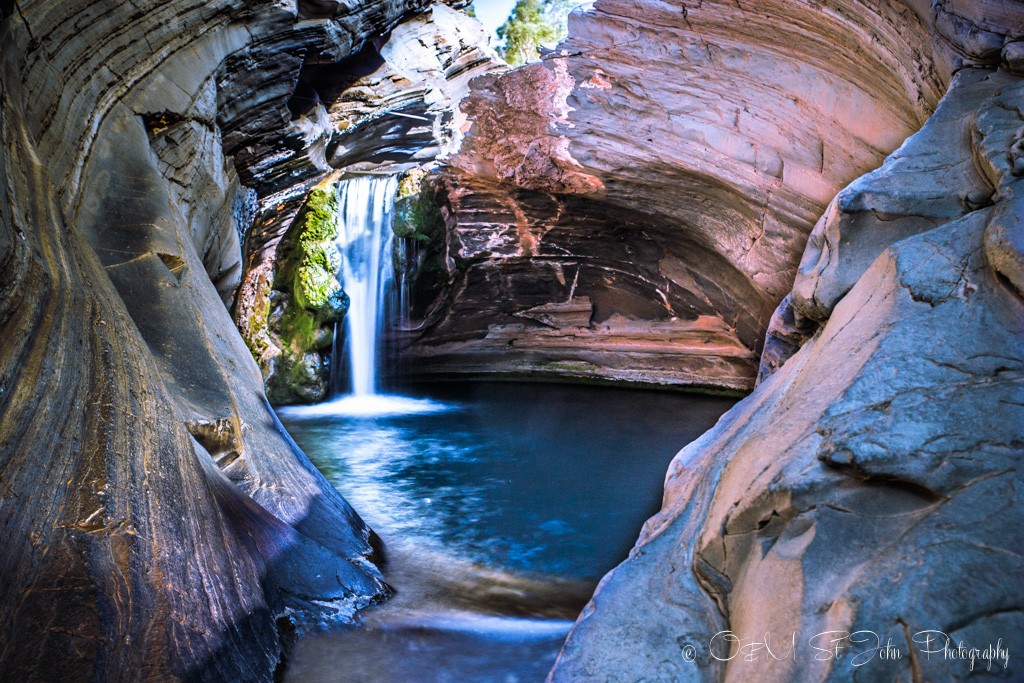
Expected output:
(664, 167)
(157, 519)
(870, 485)
(385, 109)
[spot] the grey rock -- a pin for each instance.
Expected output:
(869, 485)
(1013, 56)
(909, 194)
(157, 519)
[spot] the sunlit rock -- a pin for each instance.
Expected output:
(665, 163)
(385, 109)
(863, 500)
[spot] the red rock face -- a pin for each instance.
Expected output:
(512, 137)
(666, 164)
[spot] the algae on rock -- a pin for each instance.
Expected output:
(420, 225)
(292, 328)
(292, 332)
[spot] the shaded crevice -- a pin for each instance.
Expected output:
(882, 483)
(174, 263)
(221, 439)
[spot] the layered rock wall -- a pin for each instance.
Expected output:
(863, 500)
(157, 519)
(387, 108)
(662, 168)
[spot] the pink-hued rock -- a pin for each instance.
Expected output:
(668, 162)
(867, 493)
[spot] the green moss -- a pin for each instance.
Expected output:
(309, 300)
(318, 221)
(410, 184)
(313, 287)
(254, 330)
(571, 366)
(299, 329)
(419, 220)
(310, 262)
(417, 213)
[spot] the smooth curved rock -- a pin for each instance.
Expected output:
(665, 163)
(867, 493)
(157, 519)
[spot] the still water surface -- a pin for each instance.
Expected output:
(500, 507)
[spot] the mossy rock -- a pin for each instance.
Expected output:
(417, 212)
(313, 288)
(298, 378)
(308, 303)
(319, 219)
(420, 222)
(338, 303)
(255, 330)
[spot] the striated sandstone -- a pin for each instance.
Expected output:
(666, 162)
(157, 519)
(870, 483)
(399, 115)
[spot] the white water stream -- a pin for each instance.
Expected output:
(365, 242)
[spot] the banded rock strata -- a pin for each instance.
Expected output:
(870, 484)
(385, 109)
(663, 168)
(157, 519)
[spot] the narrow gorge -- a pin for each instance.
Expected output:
(333, 347)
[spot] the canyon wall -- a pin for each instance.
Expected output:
(865, 499)
(634, 206)
(387, 108)
(158, 521)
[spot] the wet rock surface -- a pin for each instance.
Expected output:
(386, 108)
(632, 208)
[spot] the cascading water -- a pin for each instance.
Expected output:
(365, 242)
(478, 505)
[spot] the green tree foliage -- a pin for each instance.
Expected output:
(531, 24)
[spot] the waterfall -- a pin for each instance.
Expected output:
(365, 243)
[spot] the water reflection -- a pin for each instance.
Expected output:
(500, 507)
